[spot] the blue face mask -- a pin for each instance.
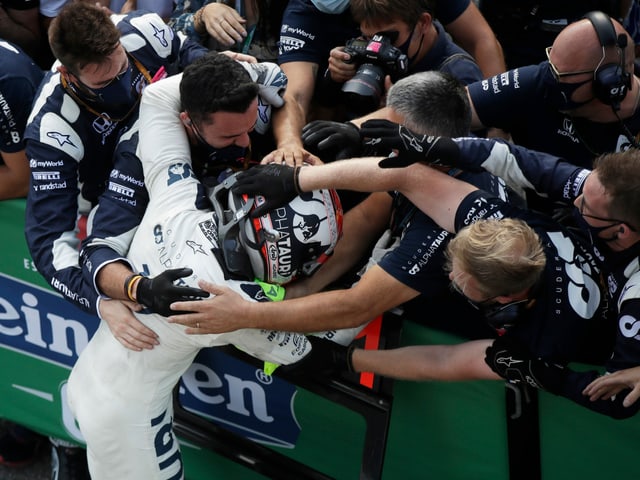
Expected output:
(331, 6)
(121, 93)
(558, 94)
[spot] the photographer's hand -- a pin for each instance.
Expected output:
(339, 67)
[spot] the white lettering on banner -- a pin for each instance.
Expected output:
(29, 264)
(33, 321)
(236, 389)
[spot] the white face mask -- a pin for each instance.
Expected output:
(331, 6)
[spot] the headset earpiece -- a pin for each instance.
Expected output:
(611, 81)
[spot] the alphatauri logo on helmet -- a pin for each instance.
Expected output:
(307, 225)
(282, 248)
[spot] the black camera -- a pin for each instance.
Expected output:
(377, 57)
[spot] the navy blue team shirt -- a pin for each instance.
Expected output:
(515, 101)
(19, 81)
(70, 150)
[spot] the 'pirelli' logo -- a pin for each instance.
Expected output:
(121, 189)
(46, 176)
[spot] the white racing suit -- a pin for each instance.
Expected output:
(122, 399)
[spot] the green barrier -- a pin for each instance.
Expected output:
(446, 430)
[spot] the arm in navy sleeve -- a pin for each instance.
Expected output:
(575, 383)
(118, 214)
(51, 223)
(548, 175)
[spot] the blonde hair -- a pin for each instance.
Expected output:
(504, 256)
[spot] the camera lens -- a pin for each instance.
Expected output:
(364, 90)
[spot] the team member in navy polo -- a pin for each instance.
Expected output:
(605, 213)
(415, 31)
(19, 81)
(311, 28)
(580, 103)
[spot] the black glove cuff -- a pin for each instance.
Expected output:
(349, 359)
(129, 283)
(296, 179)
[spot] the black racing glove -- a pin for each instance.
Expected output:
(328, 137)
(513, 362)
(326, 358)
(159, 292)
(410, 147)
(276, 183)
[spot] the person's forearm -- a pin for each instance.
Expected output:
(427, 362)
(322, 311)
(419, 183)
(111, 278)
(358, 174)
(489, 57)
(288, 122)
(472, 32)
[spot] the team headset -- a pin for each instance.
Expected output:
(611, 81)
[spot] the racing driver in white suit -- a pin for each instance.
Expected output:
(121, 398)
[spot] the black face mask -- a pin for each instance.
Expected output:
(404, 48)
(501, 316)
(210, 162)
(558, 94)
(593, 232)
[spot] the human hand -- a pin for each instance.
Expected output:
(240, 57)
(516, 364)
(220, 313)
(291, 154)
(410, 147)
(276, 183)
(339, 67)
(159, 292)
(608, 386)
(223, 23)
(324, 135)
(125, 327)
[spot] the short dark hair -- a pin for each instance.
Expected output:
(432, 103)
(215, 83)
(371, 11)
(82, 34)
(619, 174)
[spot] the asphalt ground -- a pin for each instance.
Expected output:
(40, 469)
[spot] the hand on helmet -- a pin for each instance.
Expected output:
(275, 182)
